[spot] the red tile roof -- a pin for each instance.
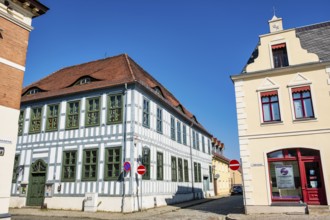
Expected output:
(108, 72)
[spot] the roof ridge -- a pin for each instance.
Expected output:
(313, 26)
(129, 67)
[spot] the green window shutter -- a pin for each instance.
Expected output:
(159, 125)
(180, 170)
(210, 173)
(69, 166)
(20, 122)
(72, 115)
(160, 169)
(112, 163)
(92, 112)
(195, 172)
(186, 171)
(199, 173)
(90, 163)
(184, 133)
(178, 132)
(52, 117)
(146, 114)
(172, 128)
(15, 169)
(174, 169)
(35, 120)
(115, 109)
(146, 162)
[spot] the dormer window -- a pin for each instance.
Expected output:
(158, 91)
(280, 56)
(83, 81)
(33, 91)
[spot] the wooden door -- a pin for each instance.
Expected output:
(36, 189)
(312, 182)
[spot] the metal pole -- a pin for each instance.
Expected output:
(141, 193)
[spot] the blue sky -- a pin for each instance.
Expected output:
(190, 46)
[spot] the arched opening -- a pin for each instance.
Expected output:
(37, 180)
(295, 175)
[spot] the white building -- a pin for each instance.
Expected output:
(79, 125)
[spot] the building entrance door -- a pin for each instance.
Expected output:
(37, 180)
(312, 182)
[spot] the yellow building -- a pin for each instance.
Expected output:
(283, 102)
(221, 173)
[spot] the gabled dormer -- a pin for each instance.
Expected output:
(83, 80)
(158, 90)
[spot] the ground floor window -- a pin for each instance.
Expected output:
(296, 175)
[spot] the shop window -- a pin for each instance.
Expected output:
(302, 102)
(186, 174)
(276, 154)
(180, 170)
(174, 169)
(309, 152)
(270, 106)
(280, 56)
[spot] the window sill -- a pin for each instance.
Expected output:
(272, 123)
(299, 120)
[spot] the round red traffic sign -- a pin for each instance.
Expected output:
(141, 170)
(127, 166)
(234, 164)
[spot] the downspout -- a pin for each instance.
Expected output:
(124, 146)
(191, 162)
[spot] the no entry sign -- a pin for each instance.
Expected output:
(141, 170)
(234, 164)
(127, 166)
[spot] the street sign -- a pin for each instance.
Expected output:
(141, 170)
(234, 164)
(127, 166)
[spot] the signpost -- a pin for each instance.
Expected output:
(234, 165)
(127, 166)
(141, 170)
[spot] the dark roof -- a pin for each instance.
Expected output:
(313, 38)
(108, 72)
(316, 39)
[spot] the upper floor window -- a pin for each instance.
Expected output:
(280, 56)
(302, 102)
(178, 125)
(20, 122)
(172, 128)
(52, 118)
(209, 146)
(270, 106)
(16, 168)
(72, 118)
(159, 122)
(115, 109)
(203, 144)
(146, 113)
(93, 111)
(194, 139)
(35, 120)
(197, 141)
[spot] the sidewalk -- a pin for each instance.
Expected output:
(107, 215)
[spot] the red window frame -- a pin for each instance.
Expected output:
(270, 94)
(301, 99)
(280, 55)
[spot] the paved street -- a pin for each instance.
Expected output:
(214, 208)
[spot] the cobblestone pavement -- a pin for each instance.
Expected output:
(197, 209)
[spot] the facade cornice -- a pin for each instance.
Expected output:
(285, 70)
(16, 21)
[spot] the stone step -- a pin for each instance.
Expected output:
(318, 209)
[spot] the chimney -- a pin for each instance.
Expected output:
(275, 24)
